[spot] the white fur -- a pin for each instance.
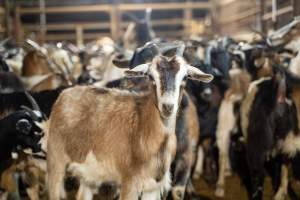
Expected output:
(93, 172)
(154, 195)
(14, 155)
(169, 97)
(282, 191)
(290, 145)
(84, 193)
(32, 81)
(199, 163)
(295, 65)
(226, 124)
(44, 126)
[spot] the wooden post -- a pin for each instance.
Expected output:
(187, 19)
(18, 34)
(214, 11)
(296, 8)
(114, 21)
(43, 28)
(79, 36)
(8, 19)
(274, 14)
(262, 4)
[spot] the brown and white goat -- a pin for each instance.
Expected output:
(102, 135)
(240, 81)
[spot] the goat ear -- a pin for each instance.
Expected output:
(198, 75)
(121, 63)
(23, 126)
(138, 71)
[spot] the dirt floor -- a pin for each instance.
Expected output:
(233, 191)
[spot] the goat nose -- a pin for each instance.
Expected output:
(167, 108)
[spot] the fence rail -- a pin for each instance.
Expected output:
(114, 25)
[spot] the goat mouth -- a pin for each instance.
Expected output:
(165, 116)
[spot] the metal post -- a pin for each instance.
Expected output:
(274, 14)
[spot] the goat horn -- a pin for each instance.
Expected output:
(148, 15)
(180, 49)
(28, 110)
(3, 42)
(33, 103)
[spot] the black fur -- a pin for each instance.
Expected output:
(45, 100)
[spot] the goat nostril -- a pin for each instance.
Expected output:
(167, 108)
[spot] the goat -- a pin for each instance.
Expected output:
(267, 105)
(18, 131)
(144, 128)
(139, 32)
(227, 122)
(9, 81)
(44, 71)
(187, 135)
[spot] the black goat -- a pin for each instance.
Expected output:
(19, 131)
(9, 81)
(269, 121)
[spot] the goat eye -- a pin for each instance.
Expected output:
(185, 78)
(183, 83)
(151, 78)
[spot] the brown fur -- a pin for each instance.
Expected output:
(193, 128)
(34, 63)
(266, 69)
(123, 129)
(52, 82)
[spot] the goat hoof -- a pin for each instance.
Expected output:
(178, 193)
(280, 196)
(228, 172)
(219, 192)
(196, 176)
